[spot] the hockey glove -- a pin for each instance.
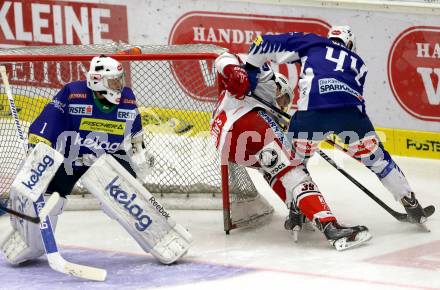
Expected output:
(142, 162)
(237, 82)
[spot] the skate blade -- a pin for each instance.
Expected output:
(423, 226)
(344, 243)
(295, 232)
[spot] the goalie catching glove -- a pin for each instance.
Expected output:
(141, 161)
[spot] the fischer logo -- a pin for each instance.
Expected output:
(143, 221)
(414, 71)
(45, 163)
(81, 110)
(236, 32)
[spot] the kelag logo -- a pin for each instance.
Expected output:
(129, 202)
(414, 71)
(34, 178)
(235, 32)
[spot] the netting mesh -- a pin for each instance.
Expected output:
(175, 99)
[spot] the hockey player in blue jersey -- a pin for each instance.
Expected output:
(331, 101)
(84, 121)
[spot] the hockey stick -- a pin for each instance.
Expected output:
(50, 204)
(56, 261)
(32, 219)
(403, 217)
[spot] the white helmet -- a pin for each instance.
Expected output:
(344, 34)
(102, 69)
(281, 80)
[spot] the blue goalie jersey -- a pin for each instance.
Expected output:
(331, 75)
(76, 123)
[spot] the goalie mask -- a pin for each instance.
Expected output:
(343, 34)
(106, 76)
(284, 94)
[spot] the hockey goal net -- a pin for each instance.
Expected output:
(176, 92)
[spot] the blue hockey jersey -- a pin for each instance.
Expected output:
(75, 123)
(331, 75)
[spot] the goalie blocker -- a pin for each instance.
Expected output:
(124, 199)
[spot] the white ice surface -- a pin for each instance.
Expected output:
(400, 256)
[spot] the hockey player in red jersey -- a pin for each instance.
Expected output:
(245, 132)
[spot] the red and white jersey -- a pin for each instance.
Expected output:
(229, 109)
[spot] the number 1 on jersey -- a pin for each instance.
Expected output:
(44, 127)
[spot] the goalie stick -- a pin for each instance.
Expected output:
(56, 261)
(403, 217)
(50, 204)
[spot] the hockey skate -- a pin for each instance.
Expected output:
(416, 213)
(296, 221)
(342, 237)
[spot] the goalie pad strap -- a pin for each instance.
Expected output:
(124, 199)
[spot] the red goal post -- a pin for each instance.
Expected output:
(176, 91)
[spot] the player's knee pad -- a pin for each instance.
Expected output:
(274, 161)
(366, 149)
(284, 185)
(24, 241)
(124, 199)
(301, 192)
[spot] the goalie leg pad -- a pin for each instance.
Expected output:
(124, 199)
(37, 171)
(24, 241)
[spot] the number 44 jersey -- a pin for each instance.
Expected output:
(331, 75)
